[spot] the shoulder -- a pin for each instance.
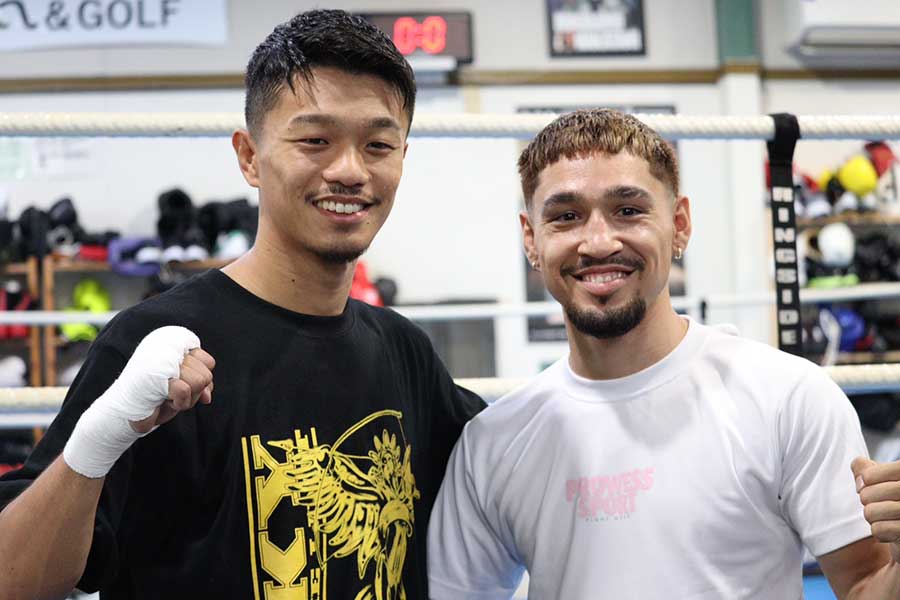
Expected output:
(187, 305)
(390, 323)
(399, 336)
(382, 316)
(769, 386)
(515, 412)
(744, 361)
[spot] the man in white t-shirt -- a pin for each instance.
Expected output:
(661, 458)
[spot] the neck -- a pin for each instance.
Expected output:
(656, 336)
(301, 282)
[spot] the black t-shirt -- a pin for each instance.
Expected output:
(315, 467)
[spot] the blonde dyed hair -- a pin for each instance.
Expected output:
(581, 133)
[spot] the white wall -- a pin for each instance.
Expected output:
(774, 38)
(509, 35)
(830, 97)
(117, 184)
(778, 29)
(703, 171)
(454, 194)
(454, 232)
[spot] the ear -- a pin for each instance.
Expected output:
(528, 237)
(681, 219)
(245, 150)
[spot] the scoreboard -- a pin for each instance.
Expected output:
(428, 34)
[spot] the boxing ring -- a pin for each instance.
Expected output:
(28, 407)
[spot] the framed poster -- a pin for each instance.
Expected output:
(552, 328)
(596, 27)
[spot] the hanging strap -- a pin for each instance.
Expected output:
(784, 232)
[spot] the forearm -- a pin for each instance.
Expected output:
(883, 584)
(46, 533)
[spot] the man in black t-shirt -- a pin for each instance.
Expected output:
(308, 465)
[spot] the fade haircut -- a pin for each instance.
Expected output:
(322, 38)
(581, 133)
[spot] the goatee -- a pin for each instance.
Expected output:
(611, 323)
(340, 256)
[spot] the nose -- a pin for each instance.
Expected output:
(347, 168)
(599, 238)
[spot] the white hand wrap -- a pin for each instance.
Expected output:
(104, 432)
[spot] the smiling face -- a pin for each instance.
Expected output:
(327, 163)
(602, 230)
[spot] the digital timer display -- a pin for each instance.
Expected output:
(428, 34)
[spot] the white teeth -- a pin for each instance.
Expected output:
(604, 277)
(340, 208)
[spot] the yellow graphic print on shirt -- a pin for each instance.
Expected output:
(356, 508)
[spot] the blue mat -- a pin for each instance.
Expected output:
(815, 587)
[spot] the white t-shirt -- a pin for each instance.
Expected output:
(700, 477)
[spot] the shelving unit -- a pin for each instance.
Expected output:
(851, 219)
(860, 358)
(863, 358)
(52, 266)
(858, 222)
(29, 270)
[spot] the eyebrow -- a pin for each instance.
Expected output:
(313, 120)
(558, 199)
(627, 192)
(383, 123)
(328, 120)
(618, 192)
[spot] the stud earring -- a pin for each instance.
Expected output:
(678, 252)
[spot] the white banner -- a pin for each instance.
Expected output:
(28, 24)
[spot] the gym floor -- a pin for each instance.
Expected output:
(815, 587)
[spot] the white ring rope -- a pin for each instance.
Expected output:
(858, 379)
(449, 125)
(31, 398)
(489, 310)
(853, 379)
(866, 379)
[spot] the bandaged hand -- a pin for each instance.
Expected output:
(878, 485)
(167, 374)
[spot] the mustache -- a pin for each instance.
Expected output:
(587, 262)
(338, 189)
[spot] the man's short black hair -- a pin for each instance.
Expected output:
(322, 38)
